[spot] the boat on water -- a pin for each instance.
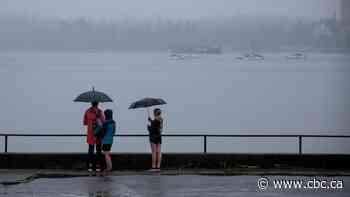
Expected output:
(199, 50)
(297, 56)
(176, 56)
(251, 56)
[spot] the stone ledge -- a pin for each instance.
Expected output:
(141, 161)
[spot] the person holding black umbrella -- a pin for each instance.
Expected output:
(155, 128)
(155, 137)
(93, 120)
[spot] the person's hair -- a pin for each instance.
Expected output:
(94, 104)
(108, 114)
(157, 112)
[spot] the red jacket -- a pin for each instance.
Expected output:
(90, 117)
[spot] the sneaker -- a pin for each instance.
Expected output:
(106, 172)
(98, 168)
(90, 168)
(152, 170)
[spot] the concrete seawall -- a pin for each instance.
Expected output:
(139, 161)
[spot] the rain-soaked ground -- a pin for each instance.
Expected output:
(171, 186)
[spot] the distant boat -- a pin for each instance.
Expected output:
(175, 56)
(211, 50)
(297, 56)
(199, 50)
(251, 56)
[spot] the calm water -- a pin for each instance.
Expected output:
(206, 94)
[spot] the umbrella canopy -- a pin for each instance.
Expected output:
(147, 102)
(93, 96)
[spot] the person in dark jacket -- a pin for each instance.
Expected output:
(109, 127)
(155, 137)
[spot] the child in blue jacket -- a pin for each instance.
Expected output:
(109, 127)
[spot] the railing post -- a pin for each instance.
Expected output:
(6, 143)
(205, 144)
(300, 145)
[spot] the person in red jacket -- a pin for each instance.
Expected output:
(93, 116)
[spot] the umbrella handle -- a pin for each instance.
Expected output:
(148, 113)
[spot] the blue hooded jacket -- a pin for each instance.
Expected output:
(109, 127)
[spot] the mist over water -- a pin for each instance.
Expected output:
(50, 51)
(179, 9)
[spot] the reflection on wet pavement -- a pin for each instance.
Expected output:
(155, 186)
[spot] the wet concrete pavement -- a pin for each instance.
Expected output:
(164, 186)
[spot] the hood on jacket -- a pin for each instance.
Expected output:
(108, 114)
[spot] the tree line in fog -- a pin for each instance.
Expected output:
(235, 33)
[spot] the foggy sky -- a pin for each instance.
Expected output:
(175, 9)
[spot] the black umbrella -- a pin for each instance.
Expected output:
(93, 96)
(147, 102)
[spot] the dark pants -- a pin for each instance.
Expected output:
(95, 159)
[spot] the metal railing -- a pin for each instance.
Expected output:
(203, 136)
